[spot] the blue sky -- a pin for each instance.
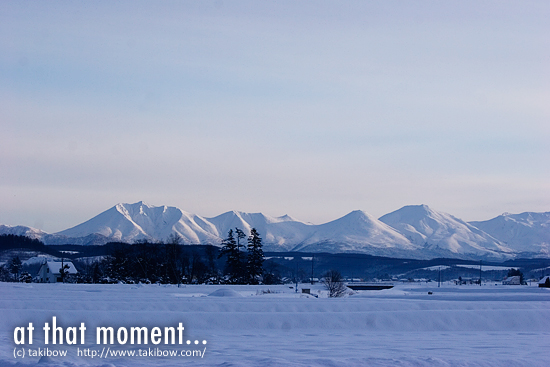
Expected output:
(306, 108)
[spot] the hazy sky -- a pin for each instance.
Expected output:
(306, 108)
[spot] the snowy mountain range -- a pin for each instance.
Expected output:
(412, 231)
(525, 232)
(441, 232)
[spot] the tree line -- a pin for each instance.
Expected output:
(168, 262)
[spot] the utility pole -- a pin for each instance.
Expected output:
(439, 281)
(296, 276)
(312, 259)
(480, 273)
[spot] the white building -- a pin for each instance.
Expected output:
(50, 271)
(515, 280)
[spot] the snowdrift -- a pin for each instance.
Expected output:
(455, 325)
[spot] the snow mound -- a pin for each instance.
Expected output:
(224, 292)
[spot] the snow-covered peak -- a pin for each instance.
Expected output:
(525, 232)
(286, 218)
(356, 219)
(356, 230)
(441, 231)
(131, 222)
(413, 213)
(358, 214)
(22, 231)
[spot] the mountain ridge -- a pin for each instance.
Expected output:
(437, 230)
(415, 231)
(527, 232)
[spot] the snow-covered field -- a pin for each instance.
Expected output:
(273, 326)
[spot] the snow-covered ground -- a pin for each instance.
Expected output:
(491, 325)
(485, 267)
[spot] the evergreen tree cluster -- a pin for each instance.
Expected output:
(11, 241)
(170, 262)
(13, 272)
(241, 267)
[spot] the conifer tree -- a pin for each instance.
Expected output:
(240, 235)
(15, 267)
(233, 262)
(63, 271)
(241, 275)
(255, 258)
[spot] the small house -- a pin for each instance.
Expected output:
(515, 280)
(545, 282)
(50, 271)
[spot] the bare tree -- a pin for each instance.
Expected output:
(334, 284)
